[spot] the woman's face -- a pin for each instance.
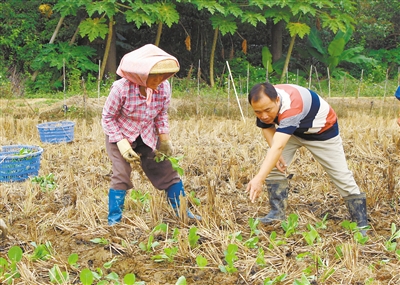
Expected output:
(153, 80)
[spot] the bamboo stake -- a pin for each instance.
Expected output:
(233, 84)
(198, 89)
(229, 92)
(65, 108)
(309, 78)
(297, 76)
(247, 84)
(386, 81)
(344, 85)
(267, 73)
(98, 84)
(329, 83)
(319, 84)
(359, 84)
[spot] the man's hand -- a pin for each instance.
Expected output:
(166, 147)
(127, 152)
(281, 165)
(254, 188)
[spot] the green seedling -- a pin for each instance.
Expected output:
(150, 245)
(169, 254)
(41, 251)
(193, 237)
(46, 183)
(160, 228)
(253, 223)
(86, 277)
(194, 199)
(58, 276)
(251, 242)
(201, 261)
(322, 224)
(174, 161)
(260, 260)
(339, 252)
(276, 280)
(391, 243)
(359, 238)
(108, 264)
(181, 281)
(236, 235)
(73, 259)
(24, 151)
(9, 270)
(140, 197)
(302, 281)
(311, 236)
(175, 235)
(274, 241)
(230, 258)
(102, 241)
(290, 225)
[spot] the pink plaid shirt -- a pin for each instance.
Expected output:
(126, 114)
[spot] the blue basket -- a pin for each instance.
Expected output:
(18, 162)
(56, 132)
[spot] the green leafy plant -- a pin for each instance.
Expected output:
(274, 241)
(230, 258)
(260, 260)
(322, 224)
(236, 235)
(303, 281)
(181, 281)
(276, 280)
(58, 276)
(9, 270)
(311, 235)
(253, 223)
(102, 241)
(149, 245)
(194, 199)
(174, 161)
(175, 235)
(201, 261)
(169, 254)
(251, 242)
(46, 182)
(73, 259)
(139, 197)
(391, 243)
(41, 251)
(290, 225)
(193, 237)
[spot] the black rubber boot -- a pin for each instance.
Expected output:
(278, 195)
(357, 206)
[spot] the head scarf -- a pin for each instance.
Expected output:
(136, 65)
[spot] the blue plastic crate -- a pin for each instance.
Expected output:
(19, 162)
(56, 132)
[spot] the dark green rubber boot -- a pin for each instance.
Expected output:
(278, 195)
(357, 206)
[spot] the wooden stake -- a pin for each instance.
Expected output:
(234, 89)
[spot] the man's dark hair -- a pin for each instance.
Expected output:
(265, 88)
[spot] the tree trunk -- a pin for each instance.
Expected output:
(276, 48)
(285, 67)
(53, 37)
(212, 55)
(111, 66)
(159, 32)
(108, 44)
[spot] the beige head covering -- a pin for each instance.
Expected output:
(138, 64)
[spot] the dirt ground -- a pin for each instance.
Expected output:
(221, 154)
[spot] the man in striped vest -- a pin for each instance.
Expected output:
(290, 117)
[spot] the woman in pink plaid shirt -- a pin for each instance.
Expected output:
(135, 121)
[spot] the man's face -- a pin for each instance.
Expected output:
(266, 109)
